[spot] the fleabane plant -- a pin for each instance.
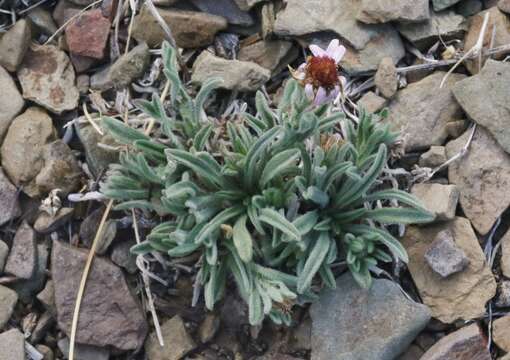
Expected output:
(271, 201)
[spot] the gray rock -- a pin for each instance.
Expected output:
(413, 352)
(422, 111)
(176, 338)
(14, 44)
(98, 158)
(47, 297)
(43, 326)
(42, 20)
(444, 256)
(8, 300)
(83, 84)
(382, 11)
(446, 24)
(11, 101)
(246, 5)
(504, 5)
(469, 8)
(46, 223)
(433, 158)
(83, 352)
(88, 229)
(503, 298)
(443, 4)
(226, 8)
(191, 29)
(130, 66)
(208, 328)
(27, 289)
(22, 258)
(386, 78)
(122, 256)
(9, 204)
(353, 323)
(481, 175)
(485, 100)
(441, 200)
(270, 54)
(101, 80)
(236, 75)
(466, 343)
(47, 78)
(372, 102)
(109, 315)
(12, 345)
(4, 252)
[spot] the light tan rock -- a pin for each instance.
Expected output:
(441, 200)
(270, 54)
(501, 332)
(11, 101)
(386, 78)
(435, 157)
(505, 254)
(462, 295)
(14, 44)
(372, 102)
(177, 341)
(382, 11)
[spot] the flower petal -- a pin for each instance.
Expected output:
(320, 97)
(309, 91)
(317, 51)
(337, 53)
(332, 46)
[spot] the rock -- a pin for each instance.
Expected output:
(101, 80)
(270, 54)
(28, 288)
(485, 100)
(88, 33)
(208, 328)
(60, 170)
(14, 44)
(98, 158)
(46, 352)
(446, 24)
(382, 11)
(246, 5)
(268, 17)
(12, 345)
(301, 336)
(441, 200)
(122, 256)
(42, 20)
(469, 8)
(225, 8)
(84, 352)
(422, 110)
(353, 323)
(503, 298)
(109, 315)
(9, 204)
(64, 10)
(413, 352)
(47, 297)
(462, 295)
(176, 338)
(88, 229)
(43, 326)
(501, 333)
(47, 78)
(22, 149)
(444, 256)
(497, 20)
(8, 300)
(480, 176)
(82, 3)
(81, 64)
(504, 5)
(443, 4)
(11, 101)
(372, 102)
(236, 75)
(46, 223)
(276, 356)
(190, 29)
(4, 252)
(83, 84)
(130, 66)
(436, 156)
(505, 254)
(386, 78)
(22, 258)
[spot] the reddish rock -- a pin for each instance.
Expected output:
(88, 34)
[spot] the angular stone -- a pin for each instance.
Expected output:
(236, 75)
(386, 78)
(46, 223)
(63, 11)
(208, 328)
(47, 78)
(433, 158)
(12, 345)
(372, 102)
(444, 256)
(382, 11)
(270, 54)
(22, 258)
(497, 20)
(109, 315)
(462, 295)
(485, 99)
(176, 338)
(441, 200)
(225, 8)
(353, 323)
(190, 29)
(42, 20)
(446, 24)
(9, 204)
(130, 66)
(413, 352)
(28, 288)
(443, 4)
(466, 343)
(481, 175)
(101, 80)
(84, 352)
(423, 110)
(11, 101)
(4, 252)
(8, 300)
(501, 333)
(88, 229)
(246, 5)
(47, 297)
(122, 256)
(469, 8)
(88, 33)
(504, 5)
(14, 44)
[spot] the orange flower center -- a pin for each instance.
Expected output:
(322, 71)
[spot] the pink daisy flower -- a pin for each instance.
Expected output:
(320, 73)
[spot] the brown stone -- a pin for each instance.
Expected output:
(270, 54)
(88, 33)
(501, 332)
(440, 200)
(386, 78)
(176, 338)
(372, 102)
